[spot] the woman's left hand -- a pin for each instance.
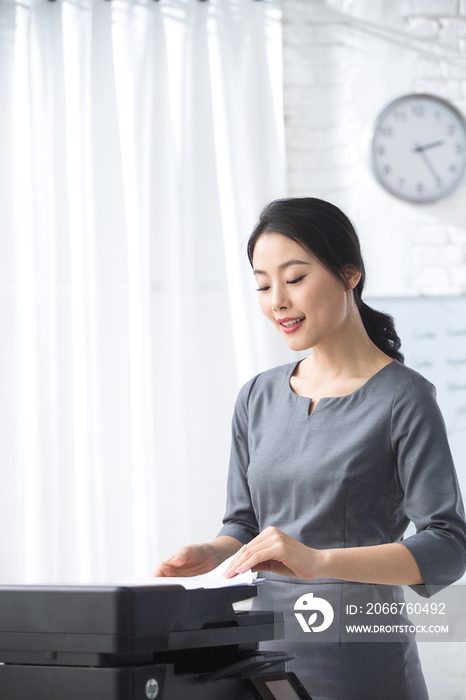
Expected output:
(272, 550)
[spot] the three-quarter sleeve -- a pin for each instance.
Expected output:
(432, 497)
(240, 520)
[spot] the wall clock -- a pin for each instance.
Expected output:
(419, 148)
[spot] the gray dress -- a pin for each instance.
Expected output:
(352, 473)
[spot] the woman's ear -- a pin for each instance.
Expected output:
(353, 276)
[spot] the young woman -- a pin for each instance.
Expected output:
(332, 457)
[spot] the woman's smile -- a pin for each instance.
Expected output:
(290, 325)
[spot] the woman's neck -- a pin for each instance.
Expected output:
(348, 352)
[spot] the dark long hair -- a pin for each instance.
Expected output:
(325, 231)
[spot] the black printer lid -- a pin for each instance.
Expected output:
(126, 619)
(102, 609)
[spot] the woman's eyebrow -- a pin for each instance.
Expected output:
(283, 265)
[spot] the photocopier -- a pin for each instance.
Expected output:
(123, 642)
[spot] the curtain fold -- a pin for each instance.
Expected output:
(140, 140)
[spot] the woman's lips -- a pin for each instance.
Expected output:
(290, 329)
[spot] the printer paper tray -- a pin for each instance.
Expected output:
(129, 683)
(97, 650)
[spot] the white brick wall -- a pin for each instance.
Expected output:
(344, 60)
(338, 74)
(429, 8)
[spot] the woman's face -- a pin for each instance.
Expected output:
(305, 302)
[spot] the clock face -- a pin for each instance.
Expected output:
(419, 148)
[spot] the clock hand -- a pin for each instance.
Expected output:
(419, 149)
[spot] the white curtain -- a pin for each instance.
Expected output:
(138, 142)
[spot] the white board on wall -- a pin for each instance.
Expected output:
(433, 335)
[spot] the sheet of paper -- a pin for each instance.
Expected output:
(213, 579)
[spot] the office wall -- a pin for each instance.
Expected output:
(344, 60)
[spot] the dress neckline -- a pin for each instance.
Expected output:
(326, 399)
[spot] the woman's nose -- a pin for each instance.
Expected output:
(279, 298)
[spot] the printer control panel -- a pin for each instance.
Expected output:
(278, 686)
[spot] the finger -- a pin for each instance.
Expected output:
(162, 570)
(242, 553)
(233, 560)
(240, 557)
(179, 559)
(256, 544)
(241, 563)
(255, 558)
(182, 556)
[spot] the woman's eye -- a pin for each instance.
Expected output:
(296, 280)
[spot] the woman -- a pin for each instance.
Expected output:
(331, 458)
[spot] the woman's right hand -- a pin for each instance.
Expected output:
(195, 559)
(192, 560)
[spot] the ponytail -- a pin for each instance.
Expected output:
(380, 328)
